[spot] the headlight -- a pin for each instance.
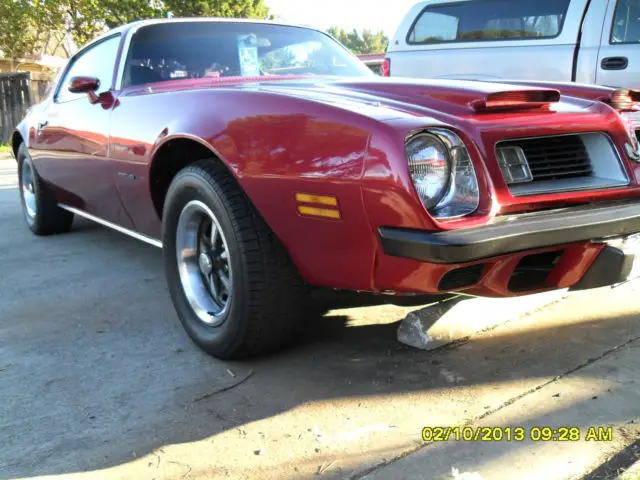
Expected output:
(443, 174)
(430, 166)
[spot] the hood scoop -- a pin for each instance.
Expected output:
(457, 96)
(516, 100)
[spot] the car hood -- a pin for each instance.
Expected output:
(434, 98)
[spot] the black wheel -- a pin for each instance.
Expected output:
(232, 283)
(40, 209)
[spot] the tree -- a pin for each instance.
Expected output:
(87, 18)
(374, 42)
(14, 23)
(26, 25)
(217, 8)
(368, 42)
(29, 26)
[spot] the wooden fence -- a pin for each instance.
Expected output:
(15, 98)
(17, 93)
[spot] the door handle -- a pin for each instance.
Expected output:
(41, 126)
(614, 63)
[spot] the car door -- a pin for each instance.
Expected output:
(71, 143)
(619, 58)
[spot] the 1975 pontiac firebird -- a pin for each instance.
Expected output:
(265, 158)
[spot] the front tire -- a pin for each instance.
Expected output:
(235, 290)
(39, 207)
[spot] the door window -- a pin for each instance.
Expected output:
(482, 20)
(626, 22)
(98, 61)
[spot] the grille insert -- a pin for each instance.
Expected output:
(555, 158)
(461, 277)
(532, 271)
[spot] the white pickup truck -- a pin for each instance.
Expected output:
(585, 41)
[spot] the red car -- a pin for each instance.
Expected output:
(265, 158)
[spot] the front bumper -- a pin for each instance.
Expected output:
(514, 233)
(579, 247)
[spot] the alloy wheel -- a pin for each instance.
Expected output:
(204, 263)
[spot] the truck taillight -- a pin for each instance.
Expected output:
(386, 67)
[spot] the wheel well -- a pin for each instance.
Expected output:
(16, 141)
(172, 157)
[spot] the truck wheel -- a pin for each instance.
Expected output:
(40, 209)
(235, 290)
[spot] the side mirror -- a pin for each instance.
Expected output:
(84, 84)
(87, 85)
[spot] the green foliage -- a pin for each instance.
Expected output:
(368, 42)
(14, 21)
(90, 17)
(217, 8)
(25, 25)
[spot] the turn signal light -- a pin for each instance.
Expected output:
(514, 165)
(323, 206)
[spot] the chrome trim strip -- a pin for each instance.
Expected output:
(113, 226)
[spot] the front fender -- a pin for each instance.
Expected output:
(276, 147)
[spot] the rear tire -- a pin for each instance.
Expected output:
(235, 290)
(39, 207)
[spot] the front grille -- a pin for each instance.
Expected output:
(555, 158)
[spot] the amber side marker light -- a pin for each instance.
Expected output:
(329, 207)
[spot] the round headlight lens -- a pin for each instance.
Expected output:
(430, 167)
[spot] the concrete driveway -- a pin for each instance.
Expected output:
(98, 380)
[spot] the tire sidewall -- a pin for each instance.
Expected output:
(23, 156)
(218, 340)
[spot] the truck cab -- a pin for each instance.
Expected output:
(584, 41)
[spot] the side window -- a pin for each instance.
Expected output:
(433, 27)
(99, 61)
(626, 22)
(485, 20)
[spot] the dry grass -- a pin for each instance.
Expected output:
(630, 476)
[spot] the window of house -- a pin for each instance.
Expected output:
(484, 20)
(626, 22)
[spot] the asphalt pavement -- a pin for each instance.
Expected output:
(98, 380)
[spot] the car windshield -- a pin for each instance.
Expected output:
(185, 50)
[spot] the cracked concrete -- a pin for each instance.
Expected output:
(98, 380)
